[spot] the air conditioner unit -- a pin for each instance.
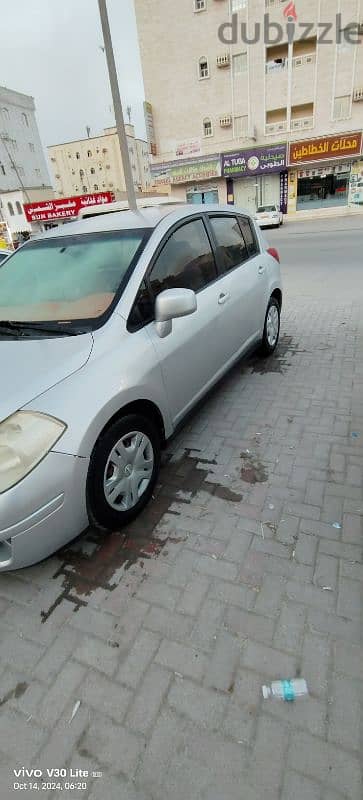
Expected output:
(226, 121)
(223, 61)
(358, 95)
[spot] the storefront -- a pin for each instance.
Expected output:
(321, 171)
(196, 180)
(257, 177)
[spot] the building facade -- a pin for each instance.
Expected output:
(94, 164)
(250, 104)
(23, 170)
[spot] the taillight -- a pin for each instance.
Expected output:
(273, 252)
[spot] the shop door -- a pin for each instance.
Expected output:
(245, 194)
(271, 190)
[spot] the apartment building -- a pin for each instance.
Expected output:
(249, 105)
(24, 174)
(94, 164)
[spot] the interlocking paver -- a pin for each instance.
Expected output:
(229, 594)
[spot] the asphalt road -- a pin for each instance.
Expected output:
(322, 258)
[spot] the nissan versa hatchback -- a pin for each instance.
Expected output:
(111, 329)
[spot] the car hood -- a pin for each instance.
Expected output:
(29, 367)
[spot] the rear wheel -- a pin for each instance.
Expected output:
(271, 331)
(123, 471)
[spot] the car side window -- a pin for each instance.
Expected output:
(249, 236)
(231, 246)
(142, 311)
(186, 260)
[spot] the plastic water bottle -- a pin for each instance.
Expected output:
(286, 690)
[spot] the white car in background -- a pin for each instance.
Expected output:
(269, 216)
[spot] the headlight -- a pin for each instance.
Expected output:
(25, 438)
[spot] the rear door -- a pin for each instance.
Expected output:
(244, 266)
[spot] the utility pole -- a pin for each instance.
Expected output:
(117, 105)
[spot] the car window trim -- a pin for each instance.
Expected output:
(132, 328)
(215, 215)
(254, 234)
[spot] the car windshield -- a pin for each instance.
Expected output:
(265, 209)
(67, 278)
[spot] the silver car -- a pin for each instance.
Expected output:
(4, 254)
(111, 329)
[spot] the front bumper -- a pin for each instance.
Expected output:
(44, 511)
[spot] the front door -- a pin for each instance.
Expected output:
(192, 355)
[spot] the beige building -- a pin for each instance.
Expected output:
(94, 164)
(262, 122)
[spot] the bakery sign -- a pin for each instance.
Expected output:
(65, 207)
(326, 147)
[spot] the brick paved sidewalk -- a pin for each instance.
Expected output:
(247, 567)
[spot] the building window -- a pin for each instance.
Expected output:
(25, 120)
(237, 5)
(84, 189)
(200, 5)
(93, 170)
(10, 209)
(203, 68)
(89, 153)
(342, 107)
(95, 187)
(18, 207)
(240, 126)
(78, 156)
(5, 114)
(239, 62)
(207, 128)
(81, 173)
(32, 148)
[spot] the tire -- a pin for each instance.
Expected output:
(270, 338)
(123, 471)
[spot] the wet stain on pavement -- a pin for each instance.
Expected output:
(279, 361)
(93, 559)
(252, 471)
(18, 691)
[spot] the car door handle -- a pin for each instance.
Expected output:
(222, 299)
(261, 270)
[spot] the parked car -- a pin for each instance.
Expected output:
(111, 330)
(269, 216)
(4, 254)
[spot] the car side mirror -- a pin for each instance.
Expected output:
(169, 305)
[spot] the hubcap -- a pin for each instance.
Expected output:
(128, 471)
(272, 326)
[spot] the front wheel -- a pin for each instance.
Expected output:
(271, 331)
(123, 471)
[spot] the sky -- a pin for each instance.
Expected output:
(50, 49)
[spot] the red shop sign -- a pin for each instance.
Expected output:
(65, 207)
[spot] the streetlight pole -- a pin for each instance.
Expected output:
(117, 105)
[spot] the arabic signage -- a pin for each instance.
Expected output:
(192, 171)
(150, 130)
(259, 161)
(284, 186)
(327, 147)
(189, 147)
(64, 207)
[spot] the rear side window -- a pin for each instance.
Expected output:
(186, 261)
(249, 236)
(232, 249)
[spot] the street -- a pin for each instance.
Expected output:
(246, 568)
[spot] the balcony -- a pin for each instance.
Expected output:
(274, 128)
(302, 124)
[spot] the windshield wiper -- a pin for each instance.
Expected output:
(27, 328)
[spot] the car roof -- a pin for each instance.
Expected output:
(126, 220)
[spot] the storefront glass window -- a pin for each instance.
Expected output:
(207, 196)
(323, 191)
